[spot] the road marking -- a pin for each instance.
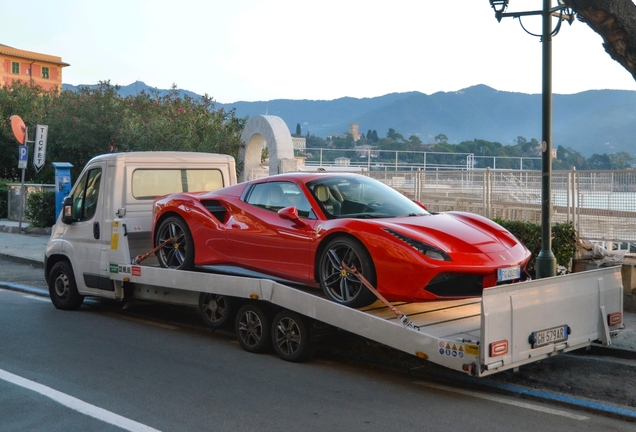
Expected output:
(77, 404)
(33, 297)
(504, 401)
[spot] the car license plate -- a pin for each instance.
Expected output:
(549, 336)
(508, 273)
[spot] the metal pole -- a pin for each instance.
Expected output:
(546, 262)
(22, 197)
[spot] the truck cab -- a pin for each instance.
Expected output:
(118, 190)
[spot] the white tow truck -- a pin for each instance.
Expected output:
(106, 225)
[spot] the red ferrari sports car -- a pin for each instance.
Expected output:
(301, 227)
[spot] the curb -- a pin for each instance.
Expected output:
(588, 405)
(21, 260)
(24, 288)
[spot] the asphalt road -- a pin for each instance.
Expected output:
(152, 367)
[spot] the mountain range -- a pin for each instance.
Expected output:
(594, 121)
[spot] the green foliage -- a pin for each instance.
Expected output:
(30, 103)
(4, 211)
(40, 209)
(564, 238)
(94, 121)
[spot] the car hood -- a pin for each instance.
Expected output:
(455, 232)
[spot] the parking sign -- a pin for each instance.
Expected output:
(23, 156)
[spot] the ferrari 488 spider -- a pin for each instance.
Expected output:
(302, 227)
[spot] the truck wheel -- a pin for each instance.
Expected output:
(290, 337)
(62, 287)
(178, 254)
(339, 285)
(216, 310)
(253, 328)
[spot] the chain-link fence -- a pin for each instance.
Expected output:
(600, 204)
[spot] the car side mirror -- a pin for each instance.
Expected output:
(67, 210)
(291, 214)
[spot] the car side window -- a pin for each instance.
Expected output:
(278, 195)
(86, 195)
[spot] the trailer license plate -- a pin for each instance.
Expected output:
(549, 336)
(508, 273)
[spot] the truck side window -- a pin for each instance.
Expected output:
(85, 195)
(149, 183)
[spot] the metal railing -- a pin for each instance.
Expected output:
(369, 159)
(600, 204)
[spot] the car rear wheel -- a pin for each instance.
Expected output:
(253, 328)
(178, 253)
(291, 338)
(62, 287)
(216, 310)
(340, 285)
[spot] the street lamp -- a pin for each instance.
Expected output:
(545, 262)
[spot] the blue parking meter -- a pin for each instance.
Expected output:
(63, 184)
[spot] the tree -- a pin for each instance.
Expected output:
(441, 138)
(28, 102)
(298, 131)
(615, 22)
(94, 121)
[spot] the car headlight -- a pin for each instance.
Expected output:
(426, 249)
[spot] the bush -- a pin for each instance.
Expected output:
(41, 209)
(564, 238)
(4, 211)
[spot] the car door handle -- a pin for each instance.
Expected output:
(96, 230)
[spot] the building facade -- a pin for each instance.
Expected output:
(31, 67)
(299, 143)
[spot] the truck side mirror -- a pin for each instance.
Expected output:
(67, 210)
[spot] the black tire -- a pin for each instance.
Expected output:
(216, 310)
(177, 254)
(253, 328)
(291, 338)
(62, 287)
(339, 285)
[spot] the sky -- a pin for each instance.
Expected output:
(256, 50)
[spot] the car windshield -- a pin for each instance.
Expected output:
(361, 197)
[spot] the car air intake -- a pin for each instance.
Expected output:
(217, 210)
(455, 285)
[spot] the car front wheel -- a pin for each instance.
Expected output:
(339, 284)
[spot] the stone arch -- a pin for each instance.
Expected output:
(273, 131)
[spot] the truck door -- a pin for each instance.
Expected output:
(84, 237)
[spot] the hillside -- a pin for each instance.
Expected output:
(595, 121)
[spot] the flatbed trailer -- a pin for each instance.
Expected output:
(509, 326)
(106, 223)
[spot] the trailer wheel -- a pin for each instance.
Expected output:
(216, 310)
(253, 328)
(62, 287)
(291, 338)
(178, 254)
(339, 285)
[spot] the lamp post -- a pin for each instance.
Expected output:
(545, 262)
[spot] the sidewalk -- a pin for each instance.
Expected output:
(26, 247)
(29, 249)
